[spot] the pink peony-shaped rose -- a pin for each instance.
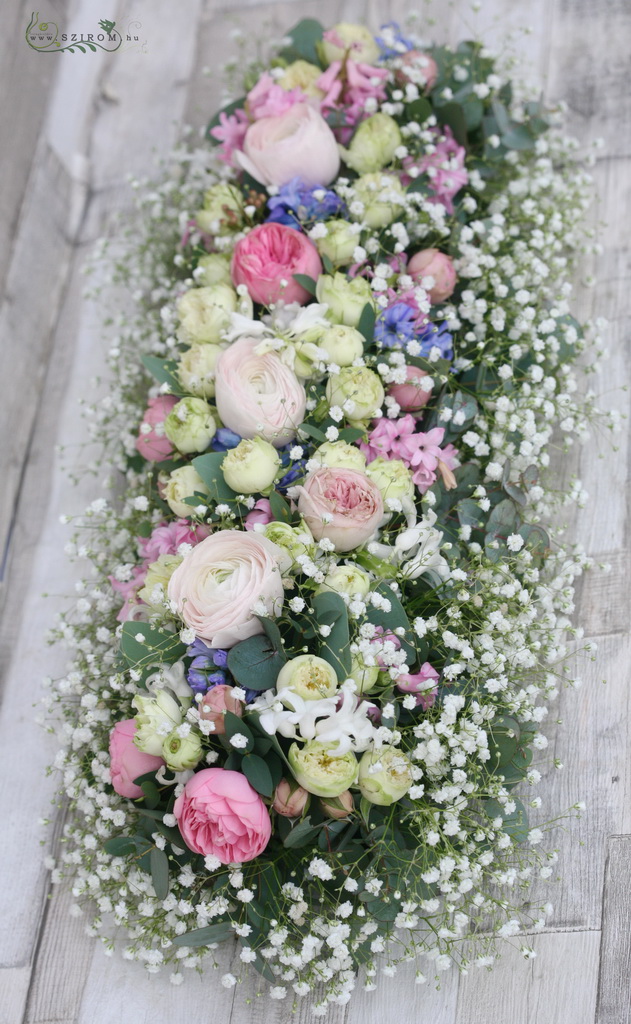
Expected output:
(273, 253)
(258, 395)
(410, 396)
(215, 703)
(166, 538)
(436, 264)
(295, 144)
(127, 762)
(261, 513)
(224, 582)
(342, 505)
(220, 815)
(152, 442)
(417, 67)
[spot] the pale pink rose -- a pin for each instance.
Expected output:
(261, 513)
(258, 395)
(422, 683)
(419, 68)
(436, 264)
(152, 442)
(220, 815)
(166, 538)
(127, 762)
(342, 505)
(295, 144)
(223, 583)
(410, 395)
(214, 703)
(270, 255)
(290, 802)
(348, 806)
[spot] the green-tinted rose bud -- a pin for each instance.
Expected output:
(373, 145)
(384, 775)
(310, 677)
(392, 477)
(382, 195)
(342, 344)
(357, 41)
(156, 717)
(346, 579)
(339, 243)
(251, 467)
(364, 676)
(196, 370)
(222, 213)
(341, 808)
(205, 313)
(340, 455)
(180, 484)
(318, 771)
(157, 580)
(190, 425)
(297, 541)
(345, 298)
(182, 752)
(302, 75)
(213, 269)
(359, 385)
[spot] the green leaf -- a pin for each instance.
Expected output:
(205, 936)
(469, 513)
(453, 116)
(209, 468)
(535, 538)
(301, 834)
(503, 736)
(160, 873)
(503, 519)
(227, 110)
(312, 431)
(305, 282)
(156, 646)
(272, 632)
(234, 725)
(473, 110)
(518, 136)
(164, 372)
(514, 824)
(255, 663)
(280, 508)
(258, 774)
(304, 39)
(350, 434)
(152, 795)
(418, 110)
(330, 610)
(121, 846)
(366, 325)
(328, 266)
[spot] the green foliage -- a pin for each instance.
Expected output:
(305, 37)
(258, 774)
(209, 468)
(330, 610)
(199, 937)
(305, 282)
(366, 325)
(160, 873)
(255, 663)
(164, 372)
(156, 646)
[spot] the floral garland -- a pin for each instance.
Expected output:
(325, 622)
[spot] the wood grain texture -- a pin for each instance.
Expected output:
(614, 983)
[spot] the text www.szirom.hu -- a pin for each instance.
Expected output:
(74, 37)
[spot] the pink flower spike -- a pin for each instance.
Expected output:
(231, 132)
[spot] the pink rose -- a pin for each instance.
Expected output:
(215, 703)
(261, 513)
(410, 396)
(422, 684)
(417, 67)
(127, 762)
(258, 395)
(167, 537)
(152, 442)
(343, 505)
(273, 253)
(220, 815)
(290, 802)
(295, 144)
(436, 264)
(222, 584)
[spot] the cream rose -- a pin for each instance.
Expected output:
(342, 505)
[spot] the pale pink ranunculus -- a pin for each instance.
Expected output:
(295, 144)
(166, 538)
(423, 684)
(215, 703)
(270, 255)
(127, 762)
(410, 396)
(343, 505)
(152, 442)
(257, 395)
(224, 582)
(261, 513)
(219, 814)
(288, 801)
(436, 264)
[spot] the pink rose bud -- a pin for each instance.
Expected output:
(127, 762)
(410, 396)
(295, 144)
(261, 513)
(419, 68)
(214, 705)
(348, 806)
(152, 442)
(220, 815)
(288, 801)
(268, 257)
(436, 264)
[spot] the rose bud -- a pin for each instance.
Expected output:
(288, 801)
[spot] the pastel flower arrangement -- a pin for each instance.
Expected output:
(330, 621)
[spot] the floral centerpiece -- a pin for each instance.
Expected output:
(326, 622)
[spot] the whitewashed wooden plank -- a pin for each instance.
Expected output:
(614, 984)
(400, 998)
(557, 987)
(14, 982)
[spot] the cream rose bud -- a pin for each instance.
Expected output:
(342, 809)
(222, 212)
(356, 41)
(156, 717)
(196, 370)
(392, 477)
(357, 390)
(295, 540)
(183, 483)
(364, 676)
(205, 313)
(157, 580)
(320, 771)
(339, 243)
(182, 753)
(251, 467)
(342, 344)
(312, 678)
(214, 268)
(190, 425)
(373, 145)
(340, 455)
(384, 775)
(383, 198)
(346, 579)
(345, 297)
(302, 75)
(342, 505)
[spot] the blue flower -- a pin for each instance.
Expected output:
(224, 439)
(395, 325)
(295, 203)
(436, 336)
(392, 43)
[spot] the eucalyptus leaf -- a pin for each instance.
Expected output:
(143, 645)
(207, 936)
(160, 873)
(305, 282)
(366, 325)
(255, 663)
(301, 834)
(209, 468)
(330, 610)
(258, 774)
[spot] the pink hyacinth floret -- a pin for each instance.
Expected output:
(230, 132)
(268, 99)
(445, 168)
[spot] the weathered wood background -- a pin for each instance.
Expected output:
(72, 128)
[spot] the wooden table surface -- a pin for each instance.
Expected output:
(72, 127)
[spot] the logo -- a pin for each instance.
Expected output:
(45, 37)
